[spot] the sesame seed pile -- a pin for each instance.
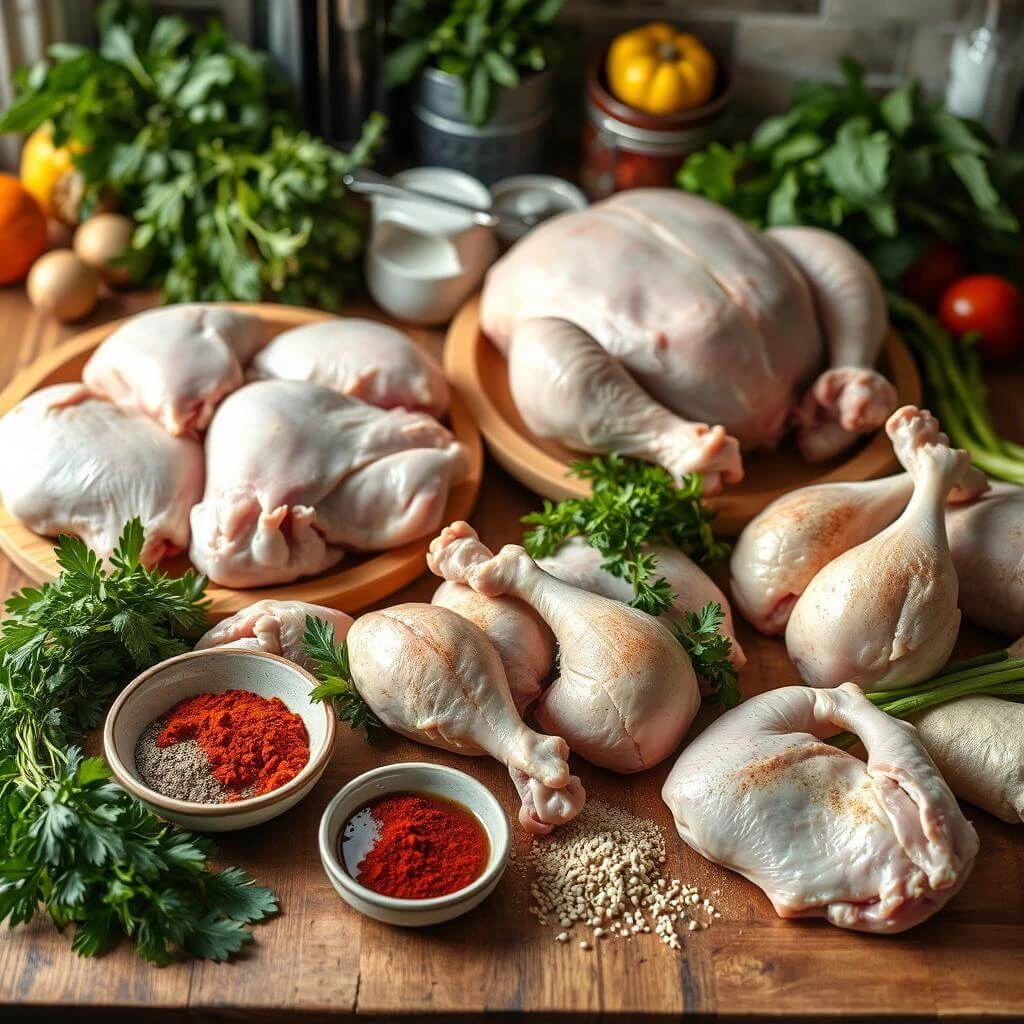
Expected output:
(605, 870)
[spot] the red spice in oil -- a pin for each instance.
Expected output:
(423, 846)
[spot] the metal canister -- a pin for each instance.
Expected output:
(512, 142)
(626, 148)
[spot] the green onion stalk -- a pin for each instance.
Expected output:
(952, 370)
(997, 674)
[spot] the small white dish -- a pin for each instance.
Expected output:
(158, 689)
(532, 195)
(414, 777)
(424, 259)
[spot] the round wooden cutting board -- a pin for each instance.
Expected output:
(356, 582)
(479, 374)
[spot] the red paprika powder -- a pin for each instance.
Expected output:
(254, 745)
(414, 846)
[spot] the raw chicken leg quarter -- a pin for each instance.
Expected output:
(876, 847)
(626, 691)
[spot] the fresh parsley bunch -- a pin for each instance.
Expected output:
(71, 841)
(195, 136)
(330, 665)
(710, 652)
(631, 504)
(888, 173)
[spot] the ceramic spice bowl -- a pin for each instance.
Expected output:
(158, 689)
(415, 777)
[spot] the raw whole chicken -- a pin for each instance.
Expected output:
(360, 358)
(175, 363)
(978, 745)
(277, 627)
(986, 539)
(884, 614)
(432, 675)
(567, 387)
(577, 563)
(783, 548)
(626, 691)
(875, 847)
(297, 474)
(76, 464)
(716, 322)
(520, 636)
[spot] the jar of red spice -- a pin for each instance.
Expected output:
(625, 148)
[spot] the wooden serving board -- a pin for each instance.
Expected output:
(355, 583)
(479, 372)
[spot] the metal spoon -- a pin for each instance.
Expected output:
(365, 182)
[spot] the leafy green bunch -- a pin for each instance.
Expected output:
(486, 43)
(330, 664)
(631, 504)
(72, 841)
(889, 173)
(195, 136)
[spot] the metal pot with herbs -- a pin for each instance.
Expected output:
(483, 86)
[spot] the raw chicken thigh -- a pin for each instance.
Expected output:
(520, 636)
(978, 745)
(569, 388)
(360, 358)
(431, 675)
(986, 539)
(277, 627)
(76, 464)
(626, 691)
(175, 363)
(297, 474)
(876, 847)
(719, 324)
(884, 614)
(577, 563)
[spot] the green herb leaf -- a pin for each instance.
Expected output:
(330, 661)
(710, 652)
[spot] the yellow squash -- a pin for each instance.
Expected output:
(48, 174)
(660, 70)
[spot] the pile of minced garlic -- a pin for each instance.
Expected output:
(605, 870)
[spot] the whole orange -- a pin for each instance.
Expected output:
(22, 230)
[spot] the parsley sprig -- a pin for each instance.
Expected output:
(72, 841)
(330, 664)
(631, 504)
(709, 651)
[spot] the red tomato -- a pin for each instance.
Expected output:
(939, 266)
(990, 305)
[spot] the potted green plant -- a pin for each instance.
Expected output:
(483, 85)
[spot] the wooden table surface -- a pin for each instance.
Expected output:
(321, 960)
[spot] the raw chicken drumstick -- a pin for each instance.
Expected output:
(297, 474)
(567, 387)
(626, 693)
(73, 463)
(431, 675)
(850, 397)
(884, 614)
(277, 627)
(784, 547)
(361, 358)
(520, 636)
(577, 563)
(175, 363)
(986, 539)
(875, 847)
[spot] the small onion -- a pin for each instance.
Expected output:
(102, 238)
(63, 284)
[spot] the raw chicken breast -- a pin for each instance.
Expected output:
(579, 564)
(297, 474)
(360, 358)
(76, 464)
(175, 363)
(277, 627)
(875, 847)
(978, 745)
